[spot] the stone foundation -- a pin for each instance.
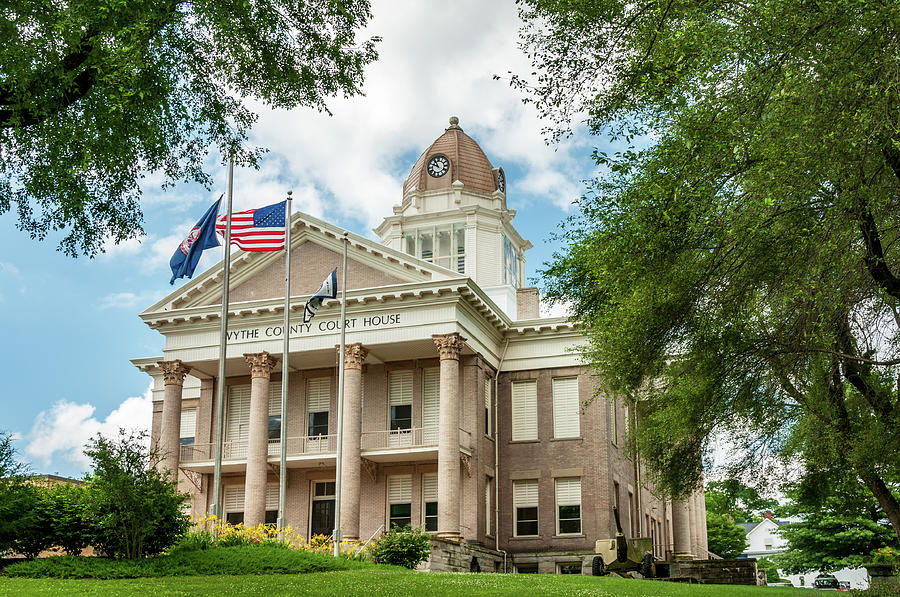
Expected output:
(450, 555)
(714, 572)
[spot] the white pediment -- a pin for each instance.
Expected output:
(316, 249)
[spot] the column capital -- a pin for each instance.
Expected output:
(448, 345)
(261, 364)
(174, 372)
(354, 355)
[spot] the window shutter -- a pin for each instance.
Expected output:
(188, 422)
(487, 406)
(431, 396)
(429, 487)
(274, 399)
(271, 496)
(238, 416)
(400, 388)
(524, 410)
(565, 407)
(568, 492)
(488, 514)
(400, 489)
(318, 394)
(234, 498)
(525, 493)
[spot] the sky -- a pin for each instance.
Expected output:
(70, 326)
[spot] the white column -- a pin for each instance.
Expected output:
(449, 346)
(261, 365)
(170, 429)
(351, 463)
(681, 529)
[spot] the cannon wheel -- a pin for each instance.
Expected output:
(598, 566)
(647, 565)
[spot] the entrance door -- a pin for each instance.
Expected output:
(322, 517)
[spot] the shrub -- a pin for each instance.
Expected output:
(68, 517)
(135, 509)
(402, 546)
(31, 519)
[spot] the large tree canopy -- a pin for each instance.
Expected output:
(96, 94)
(738, 268)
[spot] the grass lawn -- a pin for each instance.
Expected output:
(380, 581)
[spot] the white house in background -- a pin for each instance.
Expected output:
(764, 540)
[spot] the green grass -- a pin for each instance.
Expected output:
(238, 560)
(382, 581)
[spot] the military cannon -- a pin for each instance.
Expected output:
(622, 555)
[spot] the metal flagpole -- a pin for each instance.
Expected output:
(220, 381)
(340, 406)
(282, 478)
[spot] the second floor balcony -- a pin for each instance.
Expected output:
(400, 445)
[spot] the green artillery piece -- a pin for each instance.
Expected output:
(622, 555)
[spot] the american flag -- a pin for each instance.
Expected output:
(256, 229)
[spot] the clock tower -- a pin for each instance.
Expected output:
(454, 214)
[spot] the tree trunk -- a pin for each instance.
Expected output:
(885, 498)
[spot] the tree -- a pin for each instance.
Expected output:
(726, 539)
(738, 501)
(771, 569)
(94, 95)
(135, 509)
(736, 269)
(841, 525)
(67, 512)
(14, 494)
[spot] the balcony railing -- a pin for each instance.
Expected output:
(419, 437)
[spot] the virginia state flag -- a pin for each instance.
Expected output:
(202, 236)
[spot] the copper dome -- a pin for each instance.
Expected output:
(468, 164)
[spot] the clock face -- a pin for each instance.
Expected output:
(501, 181)
(438, 166)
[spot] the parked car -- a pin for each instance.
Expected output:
(844, 586)
(827, 582)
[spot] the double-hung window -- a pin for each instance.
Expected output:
(524, 410)
(318, 404)
(400, 395)
(444, 245)
(525, 506)
(488, 422)
(568, 506)
(399, 500)
(430, 501)
(187, 432)
(565, 407)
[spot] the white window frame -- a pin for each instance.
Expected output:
(567, 492)
(399, 491)
(524, 410)
(526, 494)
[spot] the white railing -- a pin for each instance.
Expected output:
(296, 446)
(399, 438)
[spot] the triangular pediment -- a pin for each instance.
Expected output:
(316, 249)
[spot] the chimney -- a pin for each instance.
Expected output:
(528, 303)
(768, 515)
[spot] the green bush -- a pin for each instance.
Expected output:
(406, 546)
(219, 560)
(68, 517)
(196, 539)
(31, 521)
(135, 510)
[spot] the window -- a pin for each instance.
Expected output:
(568, 568)
(488, 427)
(568, 506)
(271, 503)
(430, 501)
(400, 385)
(322, 508)
(233, 502)
(488, 513)
(237, 422)
(632, 519)
(431, 397)
(526, 568)
(443, 245)
(616, 497)
(399, 500)
(525, 505)
(565, 407)
(318, 404)
(613, 421)
(187, 432)
(524, 410)
(274, 431)
(510, 263)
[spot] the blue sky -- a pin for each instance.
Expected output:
(70, 325)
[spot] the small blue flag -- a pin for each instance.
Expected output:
(327, 290)
(202, 236)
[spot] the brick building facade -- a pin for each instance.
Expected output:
(464, 410)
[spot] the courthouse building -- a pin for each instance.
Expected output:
(465, 411)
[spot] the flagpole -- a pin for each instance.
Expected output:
(220, 381)
(340, 406)
(282, 478)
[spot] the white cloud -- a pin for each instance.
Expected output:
(62, 431)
